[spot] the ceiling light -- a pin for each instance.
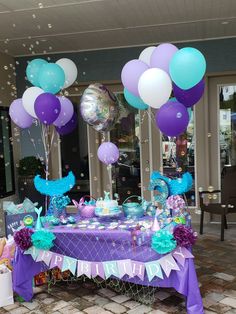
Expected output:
(225, 22)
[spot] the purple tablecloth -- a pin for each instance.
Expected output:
(97, 245)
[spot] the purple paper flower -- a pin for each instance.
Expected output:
(23, 238)
(185, 236)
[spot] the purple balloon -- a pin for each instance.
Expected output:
(172, 118)
(162, 55)
(47, 108)
(18, 114)
(66, 112)
(131, 73)
(189, 97)
(69, 126)
(108, 153)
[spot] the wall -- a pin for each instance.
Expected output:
(7, 90)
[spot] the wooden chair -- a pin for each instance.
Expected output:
(228, 199)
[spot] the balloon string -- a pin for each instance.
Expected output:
(33, 143)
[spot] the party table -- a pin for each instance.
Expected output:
(111, 250)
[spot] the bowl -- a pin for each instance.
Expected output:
(133, 210)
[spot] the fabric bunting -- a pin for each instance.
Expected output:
(118, 268)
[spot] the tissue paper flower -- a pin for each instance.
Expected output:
(23, 238)
(43, 240)
(163, 242)
(185, 236)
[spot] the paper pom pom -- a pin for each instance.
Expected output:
(185, 236)
(23, 238)
(43, 240)
(163, 242)
(176, 203)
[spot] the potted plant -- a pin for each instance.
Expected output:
(29, 167)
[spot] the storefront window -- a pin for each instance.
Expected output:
(74, 155)
(126, 135)
(6, 156)
(178, 156)
(227, 119)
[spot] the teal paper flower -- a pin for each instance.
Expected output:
(163, 242)
(43, 240)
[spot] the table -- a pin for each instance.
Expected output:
(106, 245)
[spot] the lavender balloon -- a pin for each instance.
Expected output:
(69, 126)
(47, 108)
(172, 118)
(66, 112)
(131, 73)
(108, 153)
(18, 114)
(189, 97)
(162, 55)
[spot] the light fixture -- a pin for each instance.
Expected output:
(225, 23)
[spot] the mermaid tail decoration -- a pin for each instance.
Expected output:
(176, 186)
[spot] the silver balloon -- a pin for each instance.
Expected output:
(99, 107)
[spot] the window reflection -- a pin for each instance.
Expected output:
(6, 156)
(227, 121)
(74, 155)
(126, 135)
(178, 156)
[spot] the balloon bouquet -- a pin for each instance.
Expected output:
(99, 108)
(40, 102)
(148, 81)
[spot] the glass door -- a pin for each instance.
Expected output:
(126, 180)
(178, 156)
(75, 156)
(222, 102)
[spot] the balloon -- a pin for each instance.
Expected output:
(172, 118)
(99, 107)
(47, 108)
(70, 70)
(108, 153)
(145, 55)
(69, 127)
(187, 67)
(66, 113)
(134, 101)
(18, 114)
(190, 96)
(154, 87)
(162, 56)
(190, 113)
(51, 78)
(131, 73)
(32, 71)
(29, 97)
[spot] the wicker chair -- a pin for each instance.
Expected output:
(228, 199)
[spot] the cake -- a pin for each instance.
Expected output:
(106, 206)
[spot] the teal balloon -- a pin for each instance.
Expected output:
(51, 78)
(190, 113)
(172, 99)
(134, 101)
(33, 69)
(187, 67)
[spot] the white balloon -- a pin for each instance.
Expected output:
(145, 55)
(29, 97)
(154, 87)
(70, 69)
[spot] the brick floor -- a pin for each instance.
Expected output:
(216, 270)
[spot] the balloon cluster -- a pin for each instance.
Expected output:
(40, 101)
(149, 80)
(99, 108)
